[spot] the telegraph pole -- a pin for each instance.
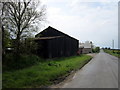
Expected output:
(113, 45)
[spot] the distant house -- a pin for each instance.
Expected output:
(54, 43)
(85, 47)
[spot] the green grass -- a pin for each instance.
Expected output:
(116, 52)
(44, 73)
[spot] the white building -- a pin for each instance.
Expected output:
(86, 47)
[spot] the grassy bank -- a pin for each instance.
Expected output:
(115, 53)
(43, 74)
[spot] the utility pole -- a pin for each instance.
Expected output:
(113, 45)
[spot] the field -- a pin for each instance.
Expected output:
(43, 74)
(115, 53)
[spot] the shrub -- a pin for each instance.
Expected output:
(11, 62)
(96, 50)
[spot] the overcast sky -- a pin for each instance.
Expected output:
(96, 20)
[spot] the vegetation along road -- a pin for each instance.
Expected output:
(43, 74)
(100, 72)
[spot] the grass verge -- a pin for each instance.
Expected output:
(115, 53)
(44, 73)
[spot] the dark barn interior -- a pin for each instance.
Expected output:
(53, 43)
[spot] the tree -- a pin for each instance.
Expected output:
(23, 19)
(29, 46)
(96, 50)
(106, 48)
(2, 23)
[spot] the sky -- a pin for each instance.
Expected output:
(85, 20)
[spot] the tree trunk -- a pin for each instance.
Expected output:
(3, 36)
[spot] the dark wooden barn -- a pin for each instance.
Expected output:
(53, 43)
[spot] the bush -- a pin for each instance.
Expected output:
(96, 50)
(11, 62)
(28, 46)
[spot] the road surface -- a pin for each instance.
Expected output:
(100, 72)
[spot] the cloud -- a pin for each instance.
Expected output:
(95, 21)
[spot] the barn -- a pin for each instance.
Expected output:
(53, 43)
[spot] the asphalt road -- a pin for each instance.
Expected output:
(100, 72)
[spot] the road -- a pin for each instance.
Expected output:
(100, 72)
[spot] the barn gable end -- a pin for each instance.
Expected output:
(54, 43)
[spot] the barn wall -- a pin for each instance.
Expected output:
(56, 47)
(60, 47)
(42, 48)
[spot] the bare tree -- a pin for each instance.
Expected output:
(3, 23)
(23, 19)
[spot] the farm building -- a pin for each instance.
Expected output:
(53, 43)
(85, 47)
